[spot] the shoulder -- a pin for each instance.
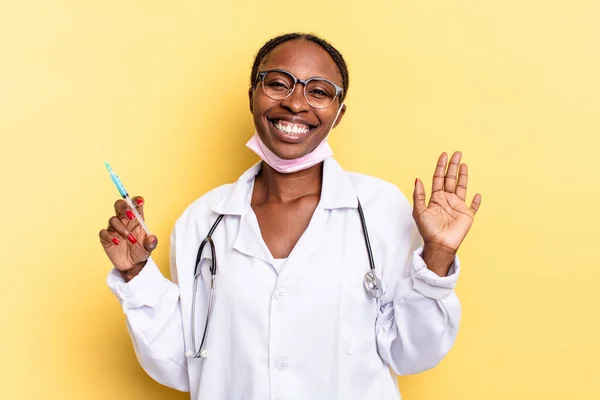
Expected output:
(210, 199)
(200, 211)
(387, 210)
(376, 192)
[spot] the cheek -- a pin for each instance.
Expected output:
(260, 106)
(325, 120)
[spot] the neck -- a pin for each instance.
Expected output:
(278, 187)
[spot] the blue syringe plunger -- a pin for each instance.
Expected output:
(116, 180)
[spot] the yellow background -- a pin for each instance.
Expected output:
(162, 87)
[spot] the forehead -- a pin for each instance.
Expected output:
(304, 59)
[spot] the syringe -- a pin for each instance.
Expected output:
(125, 196)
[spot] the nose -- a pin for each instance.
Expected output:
(296, 102)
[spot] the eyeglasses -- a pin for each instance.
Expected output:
(279, 84)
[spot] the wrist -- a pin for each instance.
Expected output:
(438, 259)
(131, 273)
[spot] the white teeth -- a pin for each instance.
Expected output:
(292, 129)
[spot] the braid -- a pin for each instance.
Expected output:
(276, 41)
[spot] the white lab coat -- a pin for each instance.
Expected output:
(309, 331)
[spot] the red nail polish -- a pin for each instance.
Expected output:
(132, 239)
(116, 241)
(130, 214)
(139, 201)
(416, 180)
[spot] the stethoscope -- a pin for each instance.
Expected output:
(371, 282)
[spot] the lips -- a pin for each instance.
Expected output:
(291, 128)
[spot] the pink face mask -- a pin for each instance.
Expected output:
(320, 153)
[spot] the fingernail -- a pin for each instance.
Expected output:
(416, 180)
(116, 241)
(130, 214)
(132, 239)
(152, 239)
(139, 201)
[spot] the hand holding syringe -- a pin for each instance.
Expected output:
(128, 256)
(125, 196)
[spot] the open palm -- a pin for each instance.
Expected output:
(446, 220)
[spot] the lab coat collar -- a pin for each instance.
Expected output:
(237, 202)
(337, 191)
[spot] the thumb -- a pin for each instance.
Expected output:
(150, 243)
(419, 198)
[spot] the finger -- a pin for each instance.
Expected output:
(123, 211)
(121, 229)
(438, 175)
(475, 203)
(107, 239)
(139, 205)
(111, 227)
(461, 186)
(130, 224)
(150, 243)
(419, 198)
(450, 181)
(121, 208)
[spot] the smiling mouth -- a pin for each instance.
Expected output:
(290, 128)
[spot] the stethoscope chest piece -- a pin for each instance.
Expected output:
(373, 285)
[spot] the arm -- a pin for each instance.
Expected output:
(153, 313)
(420, 314)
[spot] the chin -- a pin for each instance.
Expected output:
(289, 151)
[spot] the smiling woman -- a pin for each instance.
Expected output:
(326, 279)
(284, 116)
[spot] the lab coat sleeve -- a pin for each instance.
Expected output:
(420, 312)
(153, 314)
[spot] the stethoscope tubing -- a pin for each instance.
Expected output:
(372, 283)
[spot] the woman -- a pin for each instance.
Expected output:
(295, 315)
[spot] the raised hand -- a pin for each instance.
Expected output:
(445, 221)
(125, 242)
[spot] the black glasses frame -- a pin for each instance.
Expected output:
(338, 90)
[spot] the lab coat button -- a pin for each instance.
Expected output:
(282, 365)
(280, 294)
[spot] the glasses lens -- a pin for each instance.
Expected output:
(319, 93)
(278, 85)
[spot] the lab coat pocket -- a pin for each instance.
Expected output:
(357, 319)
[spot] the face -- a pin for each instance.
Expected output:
(304, 60)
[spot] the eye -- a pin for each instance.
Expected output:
(318, 93)
(276, 84)
(320, 89)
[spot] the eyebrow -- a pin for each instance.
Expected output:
(341, 84)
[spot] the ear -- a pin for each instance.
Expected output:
(339, 118)
(250, 96)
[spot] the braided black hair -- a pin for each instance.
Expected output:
(276, 41)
